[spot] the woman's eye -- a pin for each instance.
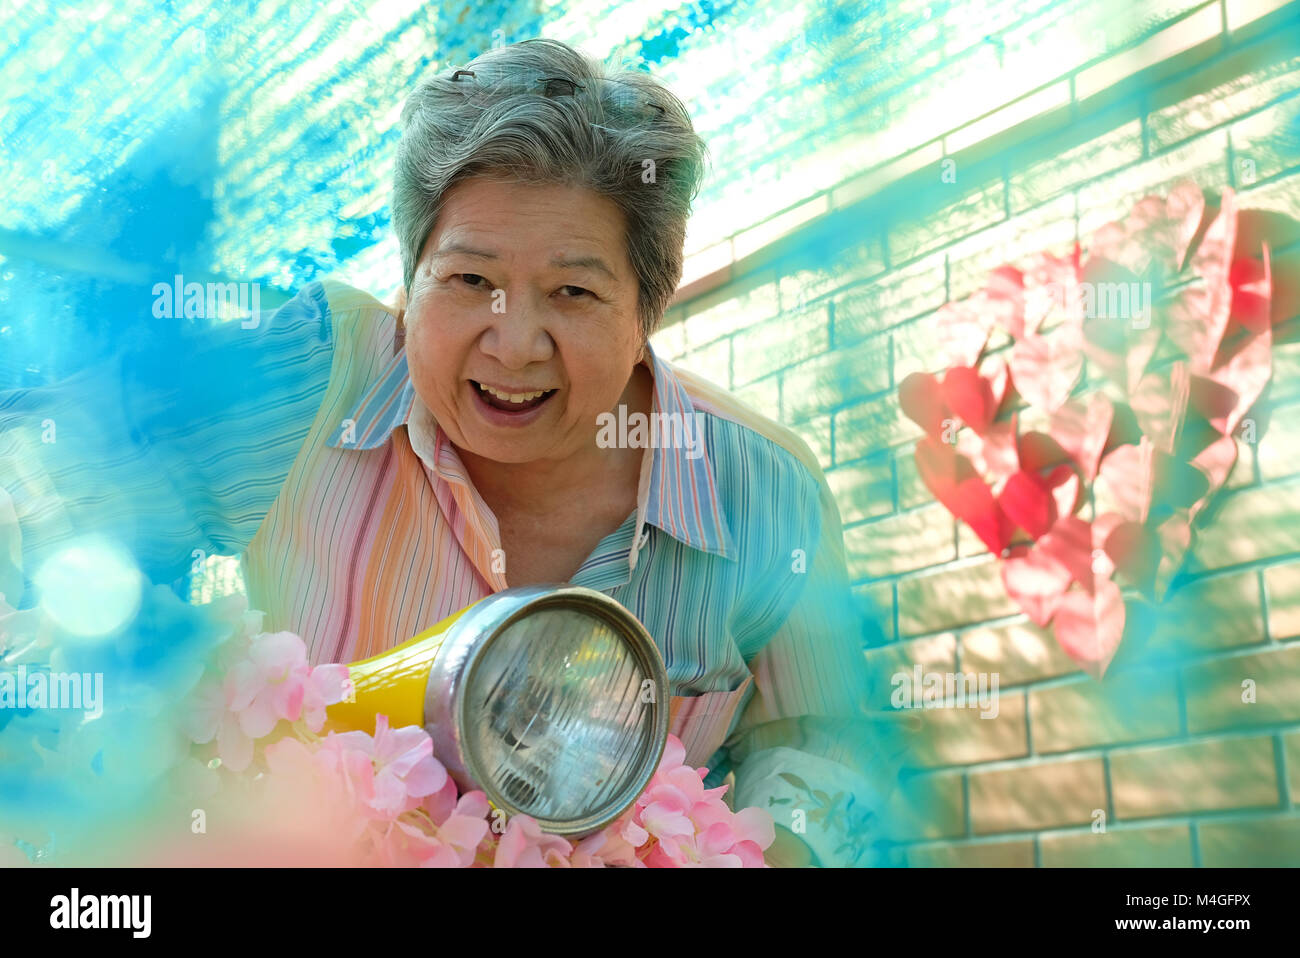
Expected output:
(473, 279)
(573, 292)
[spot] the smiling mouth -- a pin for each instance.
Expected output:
(516, 402)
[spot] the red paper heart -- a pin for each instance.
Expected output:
(1125, 476)
(1081, 426)
(1028, 503)
(1251, 283)
(922, 402)
(1134, 549)
(1089, 626)
(1066, 488)
(1199, 315)
(1070, 542)
(1036, 582)
(993, 454)
(1006, 297)
(1216, 461)
(1213, 400)
(970, 397)
(953, 481)
(963, 330)
(1045, 368)
(1160, 404)
(1039, 451)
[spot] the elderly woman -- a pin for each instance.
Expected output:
(380, 468)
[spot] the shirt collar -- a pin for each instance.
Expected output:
(683, 498)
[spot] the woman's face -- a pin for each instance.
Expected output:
(524, 289)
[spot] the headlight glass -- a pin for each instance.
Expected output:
(557, 719)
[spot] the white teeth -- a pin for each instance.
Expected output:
(512, 397)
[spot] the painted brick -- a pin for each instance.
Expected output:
(712, 362)
(1279, 445)
(731, 308)
(935, 653)
(1046, 227)
(897, 296)
(1253, 524)
(766, 347)
(1199, 34)
(939, 110)
(871, 426)
(669, 341)
(1128, 707)
(916, 348)
(881, 597)
(960, 736)
(764, 396)
(817, 433)
(1214, 690)
(900, 543)
(927, 807)
(1285, 384)
(1281, 196)
(1044, 795)
(1193, 777)
(855, 263)
(863, 490)
(1204, 159)
(1169, 847)
(1060, 39)
(1018, 652)
(1282, 584)
(937, 214)
(1243, 470)
(911, 490)
(962, 595)
(836, 378)
(1056, 165)
(1291, 746)
(1214, 613)
(1018, 854)
(1264, 144)
(1249, 82)
(1272, 842)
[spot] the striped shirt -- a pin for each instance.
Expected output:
(298, 443)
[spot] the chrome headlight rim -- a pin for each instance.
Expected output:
(447, 704)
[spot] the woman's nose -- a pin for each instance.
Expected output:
(516, 335)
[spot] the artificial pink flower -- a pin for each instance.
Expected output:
(678, 823)
(461, 833)
(210, 716)
(441, 803)
(325, 685)
(609, 847)
(389, 772)
(525, 845)
(270, 684)
(326, 786)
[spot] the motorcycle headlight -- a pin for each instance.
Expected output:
(550, 699)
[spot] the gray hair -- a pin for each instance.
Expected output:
(622, 135)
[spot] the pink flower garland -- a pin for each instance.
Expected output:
(384, 800)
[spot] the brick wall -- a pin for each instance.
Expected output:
(817, 328)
